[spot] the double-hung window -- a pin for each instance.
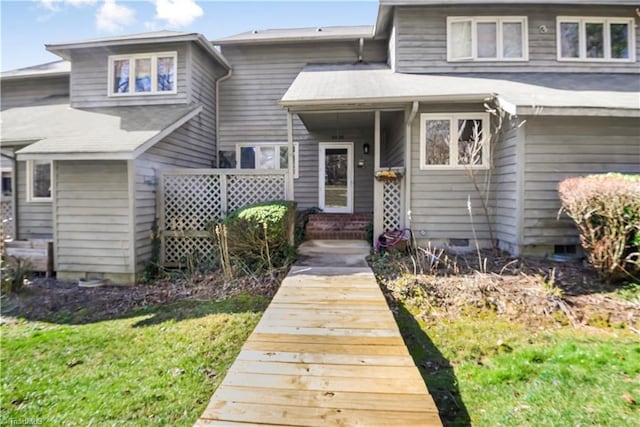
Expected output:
(266, 156)
(143, 74)
(595, 39)
(454, 141)
(39, 180)
(487, 38)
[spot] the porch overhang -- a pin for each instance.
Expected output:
(375, 86)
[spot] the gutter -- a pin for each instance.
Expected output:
(218, 81)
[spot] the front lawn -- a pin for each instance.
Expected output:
(155, 365)
(519, 348)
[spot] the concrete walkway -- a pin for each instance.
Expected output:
(327, 352)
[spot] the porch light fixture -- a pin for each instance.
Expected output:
(365, 149)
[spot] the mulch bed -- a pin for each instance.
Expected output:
(48, 299)
(533, 290)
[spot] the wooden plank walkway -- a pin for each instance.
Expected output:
(327, 352)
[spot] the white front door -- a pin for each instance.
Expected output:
(336, 177)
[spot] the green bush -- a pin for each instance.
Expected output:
(606, 210)
(261, 235)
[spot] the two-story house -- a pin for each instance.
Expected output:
(489, 101)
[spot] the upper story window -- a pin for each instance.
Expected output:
(487, 38)
(454, 141)
(595, 39)
(150, 73)
(267, 156)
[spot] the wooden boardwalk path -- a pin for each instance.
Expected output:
(327, 352)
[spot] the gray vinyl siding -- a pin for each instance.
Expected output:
(34, 91)
(562, 147)
(92, 217)
(90, 71)
(249, 110)
(393, 139)
(505, 190)
(421, 39)
(35, 219)
(439, 197)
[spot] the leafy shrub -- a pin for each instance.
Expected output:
(606, 209)
(260, 235)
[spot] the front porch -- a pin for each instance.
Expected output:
(352, 167)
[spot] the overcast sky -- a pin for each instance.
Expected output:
(28, 25)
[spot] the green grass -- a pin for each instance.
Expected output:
(502, 373)
(158, 366)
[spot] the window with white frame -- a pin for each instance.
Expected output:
(487, 38)
(143, 74)
(266, 156)
(39, 180)
(449, 141)
(595, 39)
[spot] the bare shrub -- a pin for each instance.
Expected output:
(606, 210)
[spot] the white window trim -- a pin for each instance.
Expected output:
(582, 43)
(498, 20)
(154, 73)
(296, 155)
(30, 196)
(453, 147)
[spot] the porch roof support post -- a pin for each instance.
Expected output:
(378, 193)
(376, 141)
(289, 193)
(411, 115)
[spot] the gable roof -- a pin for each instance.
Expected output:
(64, 133)
(286, 35)
(526, 93)
(63, 49)
(49, 69)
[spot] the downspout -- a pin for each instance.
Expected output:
(407, 163)
(360, 50)
(220, 80)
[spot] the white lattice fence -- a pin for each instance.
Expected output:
(191, 200)
(6, 216)
(392, 205)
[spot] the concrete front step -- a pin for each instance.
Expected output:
(338, 226)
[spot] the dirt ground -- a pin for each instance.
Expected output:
(533, 290)
(48, 299)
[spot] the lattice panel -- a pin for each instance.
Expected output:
(391, 205)
(244, 190)
(191, 202)
(6, 216)
(178, 248)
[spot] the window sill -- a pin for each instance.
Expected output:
(452, 168)
(485, 60)
(598, 60)
(40, 200)
(142, 94)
